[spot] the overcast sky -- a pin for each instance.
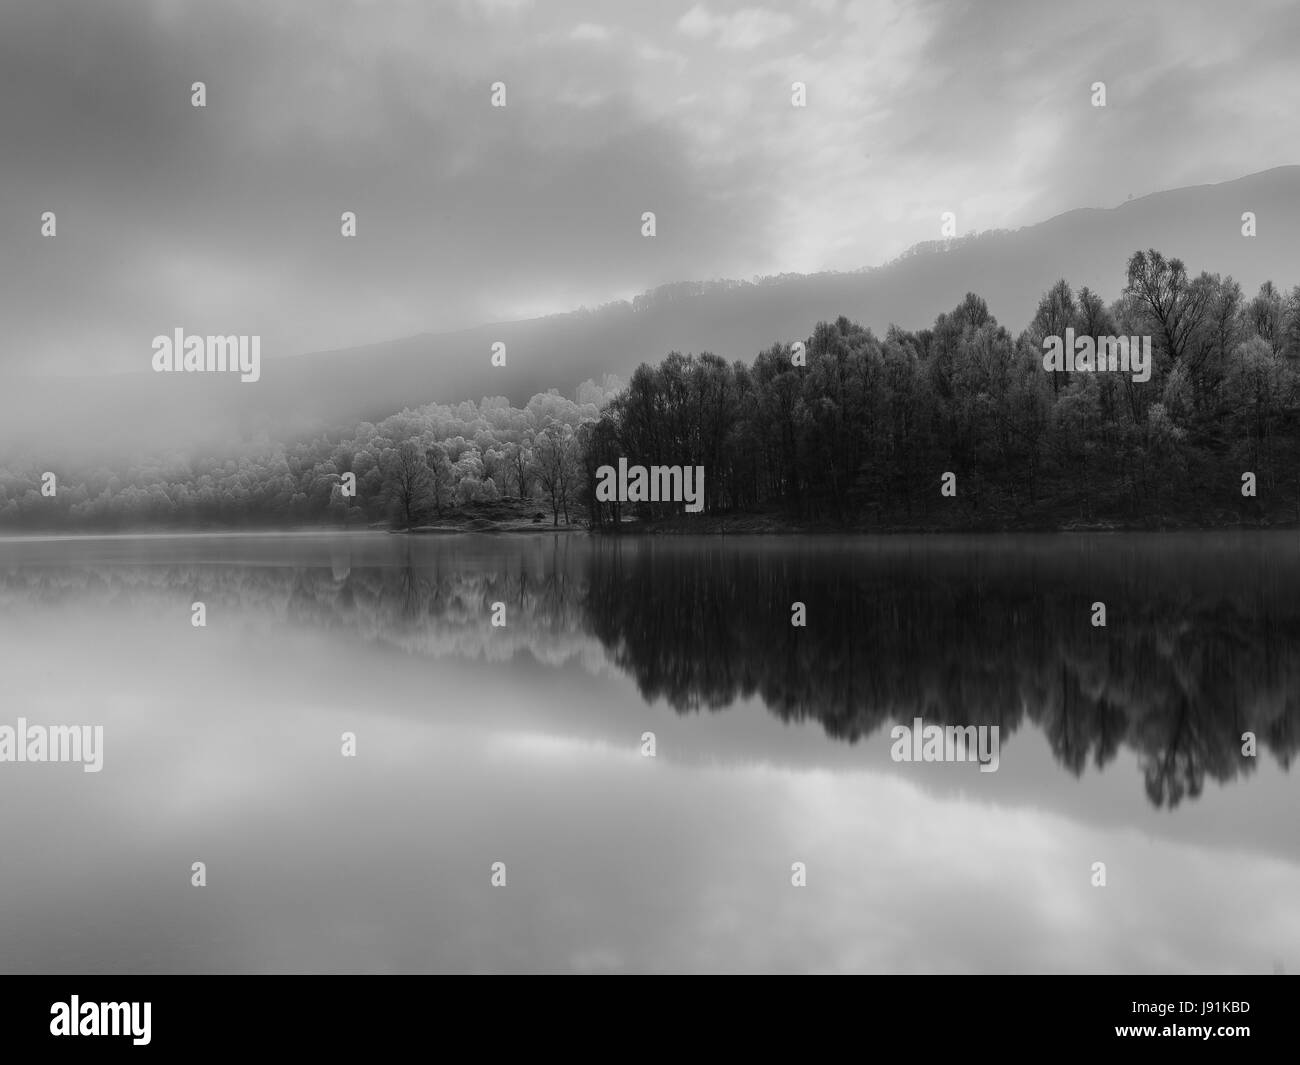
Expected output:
(226, 219)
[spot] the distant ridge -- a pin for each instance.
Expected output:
(146, 412)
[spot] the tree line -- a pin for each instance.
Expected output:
(411, 467)
(854, 432)
(862, 433)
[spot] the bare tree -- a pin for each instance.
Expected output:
(556, 468)
(407, 480)
(1176, 304)
(519, 459)
(440, 478)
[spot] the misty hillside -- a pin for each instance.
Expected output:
(147, 412)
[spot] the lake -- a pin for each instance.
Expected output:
(523, 744)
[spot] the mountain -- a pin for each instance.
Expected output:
(50, 418)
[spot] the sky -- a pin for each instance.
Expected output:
(226, 219)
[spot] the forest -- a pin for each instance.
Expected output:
(857, 437)
(862, 434)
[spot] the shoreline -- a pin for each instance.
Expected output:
(645, 530)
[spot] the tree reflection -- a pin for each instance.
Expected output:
(1201, 644)
(1192, 655)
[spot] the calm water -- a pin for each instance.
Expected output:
(522, 745)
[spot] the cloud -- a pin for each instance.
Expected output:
(746, 29)
(226, 219)
(589, 31)
(493, 8)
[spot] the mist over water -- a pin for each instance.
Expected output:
(522, 744)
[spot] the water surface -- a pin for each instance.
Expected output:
(522, 744)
